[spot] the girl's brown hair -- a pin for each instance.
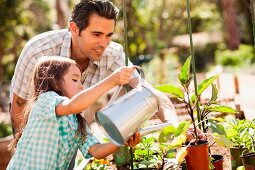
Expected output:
(48, 76)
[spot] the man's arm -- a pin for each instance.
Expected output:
(17, 106)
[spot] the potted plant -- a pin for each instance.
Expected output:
(248, 138)
(197, 111)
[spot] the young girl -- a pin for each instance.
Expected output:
(53, 126)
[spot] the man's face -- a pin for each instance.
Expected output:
(92, 41)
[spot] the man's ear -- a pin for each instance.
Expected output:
(73, 28)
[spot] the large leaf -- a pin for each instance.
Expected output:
(216, 127)
(221, 140)
(168, 88)
(184, 76)
(181, 129)
(166, 134)
(222, 109)
(205, 83)
(214, 93)
(181, 154)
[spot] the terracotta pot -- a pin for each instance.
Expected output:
(198, 156)
(235, 153)
(217, 162)
(5, 154)
(248, 160)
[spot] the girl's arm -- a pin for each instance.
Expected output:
(87, 97)
(100, 151)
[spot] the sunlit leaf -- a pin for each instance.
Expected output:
(214, 93)
(166, 134)
(221, 140)
(222, 109)
(205, 83)
(180, 156)
(184, 76)
(183, 126)
(171, 89)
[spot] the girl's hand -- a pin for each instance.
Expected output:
(122, 75)
(134, 140)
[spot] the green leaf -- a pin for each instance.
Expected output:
(214, 93)
(240, 168)
(181, 129)
(217, 127)
(231, 133)
(221, 140)
(205, 83)
(184, 76)
(222, 109)
(178, 141)
(171, 89)
(166, 134)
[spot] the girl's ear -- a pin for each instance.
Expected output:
(73, 28)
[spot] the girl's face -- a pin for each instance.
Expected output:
(71, 84)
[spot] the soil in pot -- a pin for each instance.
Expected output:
(217, 162)
(198, 156)
(248, 160)
(235, 153)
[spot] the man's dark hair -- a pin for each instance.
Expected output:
(83, 10)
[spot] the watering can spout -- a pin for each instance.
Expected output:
(153, 128)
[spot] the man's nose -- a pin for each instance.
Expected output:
(104, 42)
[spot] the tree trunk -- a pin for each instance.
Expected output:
(230, 23)
(62, 12)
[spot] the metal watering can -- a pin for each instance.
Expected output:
(121, 118)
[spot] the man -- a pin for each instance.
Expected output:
(87, 41)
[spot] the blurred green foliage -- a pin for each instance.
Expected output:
(5, 129)
(19, 20)
(237, 58)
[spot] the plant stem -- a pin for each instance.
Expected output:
(193, 60)
(252, 6)
(125, 32)
(131, 158)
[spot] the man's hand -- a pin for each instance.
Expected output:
(190, 134)
(17, 106)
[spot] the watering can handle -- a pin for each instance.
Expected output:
(141, 82)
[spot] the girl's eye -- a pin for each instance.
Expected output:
(74, 80)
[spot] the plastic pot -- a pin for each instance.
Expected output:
(217, 162)
(248, 160)
(235, 153)
(198, 156)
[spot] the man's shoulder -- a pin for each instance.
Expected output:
(49, 37)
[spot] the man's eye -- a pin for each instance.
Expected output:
(97, 35)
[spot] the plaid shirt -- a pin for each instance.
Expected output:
(58, 43)
(49, 141)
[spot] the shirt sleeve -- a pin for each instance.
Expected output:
(90, 140)
(21, 80)
(118, 53)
